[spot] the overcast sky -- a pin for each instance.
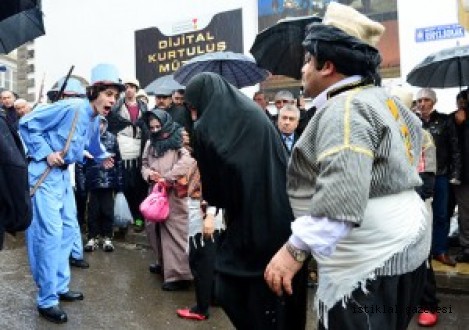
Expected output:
(87, 32)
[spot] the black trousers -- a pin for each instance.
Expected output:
(202, 263)
(429, 301)
(390, 303)
(81, 207)
(135, 188)
(250, 304)
(100, 213)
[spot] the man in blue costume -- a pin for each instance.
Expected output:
(73, 89)
(54, 226)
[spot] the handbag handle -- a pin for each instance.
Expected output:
(159, 186)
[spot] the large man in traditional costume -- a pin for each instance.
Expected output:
(351, 183)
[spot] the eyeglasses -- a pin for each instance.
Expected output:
(282, 101)
(424, 99)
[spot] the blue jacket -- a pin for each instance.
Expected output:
(46, 129)
(92, 175)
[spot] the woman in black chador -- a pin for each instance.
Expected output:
(243, 168)
(15, 203)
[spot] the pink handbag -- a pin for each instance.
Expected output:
(155, 208)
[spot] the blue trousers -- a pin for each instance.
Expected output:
(440, 215)
(50, 237)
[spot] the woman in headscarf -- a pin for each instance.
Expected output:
(243, 169)
(165, 159)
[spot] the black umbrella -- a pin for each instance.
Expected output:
(447, 68)
(20, 22)
(165, 82)
(238, 69)
(278, 48)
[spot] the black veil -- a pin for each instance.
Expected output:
(243, 169)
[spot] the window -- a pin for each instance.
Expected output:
(7, 82)
(14, 80)
(30, 83)
(2, 79)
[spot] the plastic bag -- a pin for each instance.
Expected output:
(155, 208)
(122, 214)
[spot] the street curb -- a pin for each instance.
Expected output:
(452, 282)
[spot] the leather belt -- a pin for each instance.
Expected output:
(63, 167)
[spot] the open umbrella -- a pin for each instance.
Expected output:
(447, 68)
(238, 69)
(278, 48)
(164, 82)
(20, 22)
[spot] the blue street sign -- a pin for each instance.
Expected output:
(3, 68)
(439, 32)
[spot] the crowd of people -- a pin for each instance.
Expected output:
(252, 195)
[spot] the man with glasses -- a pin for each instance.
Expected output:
(283, 98)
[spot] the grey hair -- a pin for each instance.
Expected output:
(19, 102)
(284, 95)
(426, 93)
(290, 107)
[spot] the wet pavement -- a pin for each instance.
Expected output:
(120, 293)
